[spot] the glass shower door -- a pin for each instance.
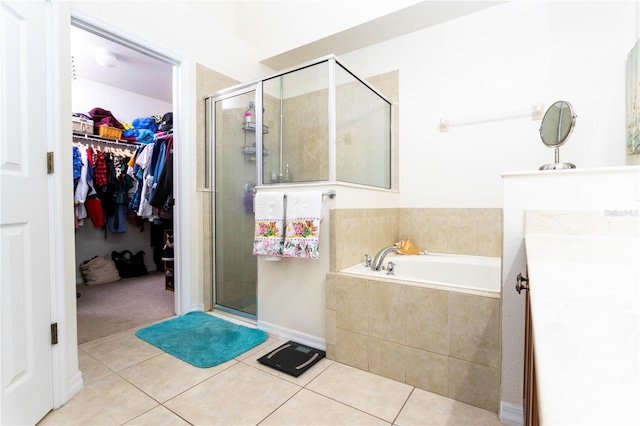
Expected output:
(235, 266)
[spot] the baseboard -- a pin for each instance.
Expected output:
(296, 336)
(511, 414)
(74, 385)
(197, 307)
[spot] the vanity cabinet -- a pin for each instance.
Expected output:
(571, 231)
(530, 397)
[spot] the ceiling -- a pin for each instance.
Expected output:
(135, 72)
(138, 72)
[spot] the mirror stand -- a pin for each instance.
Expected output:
(557, 165)
(557, 125)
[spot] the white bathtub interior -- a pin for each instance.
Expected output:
(480, 273)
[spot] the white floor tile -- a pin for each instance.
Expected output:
(128, 381)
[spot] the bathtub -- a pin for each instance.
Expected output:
(434, 325)
(462, 273)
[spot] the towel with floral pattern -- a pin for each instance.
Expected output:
(269, 224)
(302, 235)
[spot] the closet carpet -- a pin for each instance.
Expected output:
(111, 308)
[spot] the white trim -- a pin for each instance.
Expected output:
(182, 211)
(55, 183)
(288, 334)
(65, 388)
(96, 25)
(196, 307)
(511, 414)
(74, 385)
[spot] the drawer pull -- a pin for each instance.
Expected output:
(522, 283)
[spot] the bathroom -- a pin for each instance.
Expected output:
(450, 182)
(492, 62)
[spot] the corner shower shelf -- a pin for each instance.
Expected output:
(251, 127)
(250, 153)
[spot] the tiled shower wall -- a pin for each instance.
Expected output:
(472, 231)
(208, 81)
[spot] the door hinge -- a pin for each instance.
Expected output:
(54, 333)
(49, 163)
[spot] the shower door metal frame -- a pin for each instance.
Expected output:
(210, 121)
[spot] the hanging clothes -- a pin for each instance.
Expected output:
(144, 161)
(114, 187)
(163, 194)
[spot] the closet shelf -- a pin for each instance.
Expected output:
(100, 139)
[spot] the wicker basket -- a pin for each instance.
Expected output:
(109, 132)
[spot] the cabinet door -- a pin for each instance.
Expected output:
(530, 401)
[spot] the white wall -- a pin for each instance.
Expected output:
(302, 20)
(174, 27)
(125, 106)
(499, 60)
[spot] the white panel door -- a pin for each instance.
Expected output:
(25, 294)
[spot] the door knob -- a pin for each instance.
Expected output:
(522, 283)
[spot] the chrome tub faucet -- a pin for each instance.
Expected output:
(377, 260)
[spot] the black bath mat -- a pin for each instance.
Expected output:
(292, 358)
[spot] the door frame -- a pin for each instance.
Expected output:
(66, 385)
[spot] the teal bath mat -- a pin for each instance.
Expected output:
(201, 339)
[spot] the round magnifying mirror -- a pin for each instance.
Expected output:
(557, 124)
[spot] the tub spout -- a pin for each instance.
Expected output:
(377, 261)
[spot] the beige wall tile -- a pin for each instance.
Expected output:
(208, 82)
(389, 85)
(474, 384)
(387, 359)
(332, 337)
(472, 231)
(474, 329)
(463, 329)
(332, 350)
(330, 290)
(387, 311)
(427, 316)
(351, 305)
(361, 231)
(428, 371)
(352, 349)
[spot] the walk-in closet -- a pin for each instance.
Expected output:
(123, 185)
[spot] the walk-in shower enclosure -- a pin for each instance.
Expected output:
(315, 123)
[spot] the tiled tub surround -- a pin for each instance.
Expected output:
(445, 340)
(472, 231)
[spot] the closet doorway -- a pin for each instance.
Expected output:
(121, 84)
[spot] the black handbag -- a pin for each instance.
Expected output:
(129, 264)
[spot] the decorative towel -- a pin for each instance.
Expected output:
(269, 214)
(304, 210)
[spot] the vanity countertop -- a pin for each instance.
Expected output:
(585, 304)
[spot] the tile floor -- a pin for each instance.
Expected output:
(130, 382)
